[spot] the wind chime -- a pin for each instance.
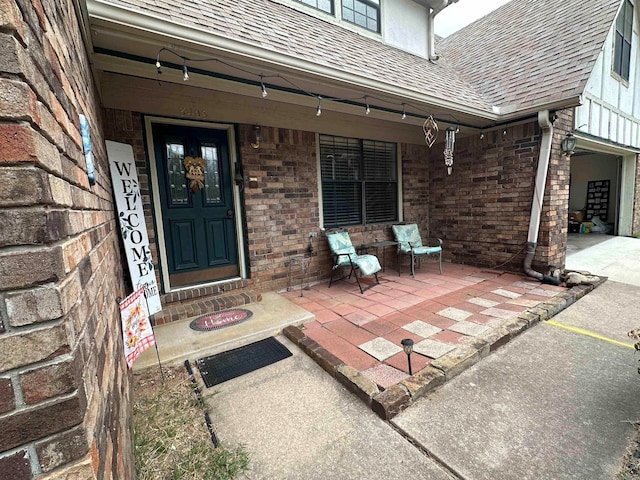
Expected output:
(430, 129)
(449, 143)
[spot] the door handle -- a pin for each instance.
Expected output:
(229, 214)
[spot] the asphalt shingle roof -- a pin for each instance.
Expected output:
(531, 52)
(525, 54)
(278, 28)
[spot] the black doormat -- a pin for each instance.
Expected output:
(234, 363)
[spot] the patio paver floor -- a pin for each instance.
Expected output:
(438, 312)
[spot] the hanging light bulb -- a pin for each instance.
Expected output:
(319, 110)
(264, 89)
(481, 135)
(367, 110)
(504, 132)
(404, 111)
(158, 66)
(257, 137)
(185, 73)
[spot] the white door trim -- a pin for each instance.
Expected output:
(155, 193)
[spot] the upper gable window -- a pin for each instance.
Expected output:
(624, 33)
(365, 13)
(324, 5)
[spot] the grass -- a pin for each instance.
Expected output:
(171, 440)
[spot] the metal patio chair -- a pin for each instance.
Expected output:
(410, 244)
(345, 256)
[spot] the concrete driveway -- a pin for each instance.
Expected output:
(617, 258)
(554, 403)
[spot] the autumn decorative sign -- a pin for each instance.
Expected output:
(136, 328)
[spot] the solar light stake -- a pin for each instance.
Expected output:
(407, 345)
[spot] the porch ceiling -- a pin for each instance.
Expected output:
(127, 41)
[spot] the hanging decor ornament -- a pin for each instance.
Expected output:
(449, 144)
(195, 172)
(430, 129)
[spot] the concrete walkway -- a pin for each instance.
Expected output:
(299, 423)
(554, 403)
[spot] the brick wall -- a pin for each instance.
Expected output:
(415, 187)
(482, 209)
(64, 389)
(282, 208)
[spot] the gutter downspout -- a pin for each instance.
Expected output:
(436, 7)
(546, 125)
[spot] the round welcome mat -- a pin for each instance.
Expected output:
(214, 321)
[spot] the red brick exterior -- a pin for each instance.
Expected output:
(64, 385)
(482, 209)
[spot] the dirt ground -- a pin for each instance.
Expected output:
(170, 433)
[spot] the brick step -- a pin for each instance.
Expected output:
(202, 300)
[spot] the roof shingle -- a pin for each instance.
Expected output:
(530, 52)
(525, 54)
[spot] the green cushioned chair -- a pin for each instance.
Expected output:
(410, 243)
(344, 255)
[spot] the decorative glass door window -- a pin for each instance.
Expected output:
(212, 191)
(177, 181)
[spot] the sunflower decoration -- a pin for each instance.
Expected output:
(195, 172)
(134, 317)
(132, 339)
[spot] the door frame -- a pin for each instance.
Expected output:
(626, 179)
(156, 205)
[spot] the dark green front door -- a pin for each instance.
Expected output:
(197, 212)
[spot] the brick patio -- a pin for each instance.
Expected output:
(438, 312)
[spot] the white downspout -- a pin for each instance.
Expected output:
(546, 125)
(436, 6)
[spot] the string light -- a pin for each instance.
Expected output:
(264, 92)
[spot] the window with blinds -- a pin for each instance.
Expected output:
(359, 181)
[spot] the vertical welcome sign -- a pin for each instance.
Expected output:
(134, 231)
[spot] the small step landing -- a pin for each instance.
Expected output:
(202, 300)
(177, 342)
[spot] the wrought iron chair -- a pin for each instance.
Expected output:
(410, 243)
(345, 256)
